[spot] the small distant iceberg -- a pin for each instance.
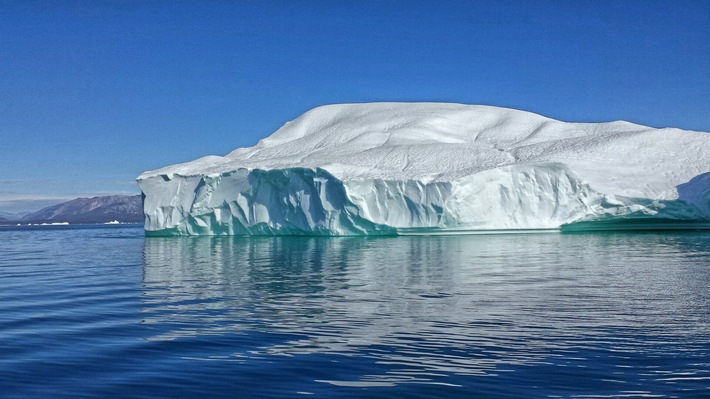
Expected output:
(53, 224)
(113, 222)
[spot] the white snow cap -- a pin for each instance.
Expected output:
(475, 159)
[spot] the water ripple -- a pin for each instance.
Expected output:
(104, 312)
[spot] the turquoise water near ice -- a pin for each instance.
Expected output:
(102, 311)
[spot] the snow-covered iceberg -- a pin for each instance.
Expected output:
(431, 168)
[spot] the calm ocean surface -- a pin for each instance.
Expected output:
(104, 312)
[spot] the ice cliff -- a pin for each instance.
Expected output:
(408, 168)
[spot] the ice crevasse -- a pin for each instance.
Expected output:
(436, 168)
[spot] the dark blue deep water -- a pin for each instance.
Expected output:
(104, 312)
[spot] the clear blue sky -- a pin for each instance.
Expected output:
(92, 93)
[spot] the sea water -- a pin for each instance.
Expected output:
(103, 311)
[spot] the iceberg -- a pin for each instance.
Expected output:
(436, 168)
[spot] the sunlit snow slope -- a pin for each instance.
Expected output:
(408, 168)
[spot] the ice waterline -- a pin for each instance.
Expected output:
(394, 168)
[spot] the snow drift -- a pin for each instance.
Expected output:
(427, 168)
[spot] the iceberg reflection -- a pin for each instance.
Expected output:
(424, 307)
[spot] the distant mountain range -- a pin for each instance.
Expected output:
(123, 208)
